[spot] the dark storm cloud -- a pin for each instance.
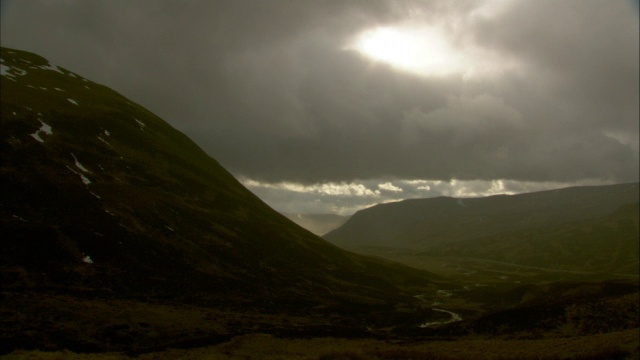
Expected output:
(267, 88)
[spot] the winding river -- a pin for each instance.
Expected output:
(454, 317)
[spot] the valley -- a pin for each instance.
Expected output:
(318, 224)
(121, 238)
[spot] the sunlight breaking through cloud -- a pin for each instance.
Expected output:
(436, 48)
(352, 103)
(333, 189)
(347, 198)
(388, 186)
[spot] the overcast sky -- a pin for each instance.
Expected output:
(329, 106)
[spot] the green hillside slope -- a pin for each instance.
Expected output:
(592, 228)
(102, 198)
(606, 244)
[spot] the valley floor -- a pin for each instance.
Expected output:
(615, 345)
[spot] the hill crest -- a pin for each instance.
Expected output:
(456, 227)
(99, 193)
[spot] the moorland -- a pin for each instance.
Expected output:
(121, 238)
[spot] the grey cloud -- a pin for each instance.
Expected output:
(334, 197)
(268, 90)
(584, 54)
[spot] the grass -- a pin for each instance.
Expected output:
(161, 220)
(617, 345)
(590, 230)
(585, 318)
(189, 264)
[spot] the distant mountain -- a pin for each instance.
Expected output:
(102, 197)
(591, 228)
(607, 244)
(318, 224)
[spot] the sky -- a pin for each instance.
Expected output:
(329, 106)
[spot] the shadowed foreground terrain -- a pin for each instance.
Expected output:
(617, 345)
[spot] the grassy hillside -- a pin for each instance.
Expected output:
(591, 229)
(607, 244)
(104, 200)
(616, 345)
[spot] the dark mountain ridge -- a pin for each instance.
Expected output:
(418, 222)
(115, 183)
(102, 198)
(587, 228)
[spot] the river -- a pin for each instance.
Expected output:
(454, 317)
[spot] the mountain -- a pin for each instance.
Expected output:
(591, 228)
(606, 244)
(101, 199)
(119, 234)
(318, 224)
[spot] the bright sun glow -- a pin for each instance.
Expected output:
(426, 51)
(423, 51)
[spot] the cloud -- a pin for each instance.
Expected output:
(332, 189)
(273, 92)
(464, 119)
(345, 199)
(388, 186)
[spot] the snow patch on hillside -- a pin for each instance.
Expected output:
(85, 180)
(43, 129)
(79, 165)
(74, 102)
(108, 134)
(103, 140)
(4, 70)
(51, 67)
(11, 72)
(141, 124)
(19, 218)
